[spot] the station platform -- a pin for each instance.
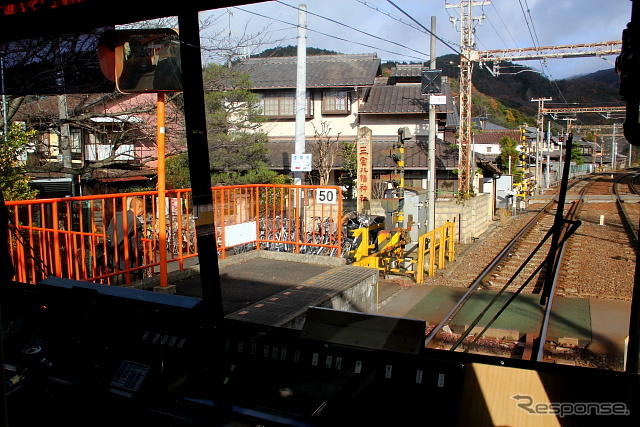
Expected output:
(276, 288)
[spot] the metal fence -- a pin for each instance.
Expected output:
(113, 238)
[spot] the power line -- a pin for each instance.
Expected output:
(532, 24)
(496, 30)
(427, 30)
(355, 29)
(536, 45)
(504, 24)
(328, 35)
(527, 22)
(391, 16)
(400, 20)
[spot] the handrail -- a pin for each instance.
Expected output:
(71, 237)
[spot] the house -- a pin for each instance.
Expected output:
(347, 92)
(111, 138)
(487, 142)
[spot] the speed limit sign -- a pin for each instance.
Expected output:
(327, 196)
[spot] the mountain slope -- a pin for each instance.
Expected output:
(516, 91)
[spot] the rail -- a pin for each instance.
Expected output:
(485, 273)
(113, 238)
(626, 218)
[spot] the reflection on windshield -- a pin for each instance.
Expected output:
(53, 65)
(150, 63)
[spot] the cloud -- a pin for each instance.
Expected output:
(554, 22)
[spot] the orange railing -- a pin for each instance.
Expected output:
(113, 239)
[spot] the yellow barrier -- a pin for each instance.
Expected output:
(438, 242)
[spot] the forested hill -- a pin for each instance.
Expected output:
(516, 90)
(292, 51)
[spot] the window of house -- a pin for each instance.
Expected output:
(335, 102)
(283, 104)
(488, 149)
(50, 144)
(75, 140)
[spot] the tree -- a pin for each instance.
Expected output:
(261, 175)
(290, 50)
(349, 167)
(177, 172)
(236, 144)
(576, 155)
(13, 181)
(508, 153)
(112, 125)
(325, 148)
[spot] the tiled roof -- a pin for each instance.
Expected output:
(395, 99)
(494, 136)
(407, 70)
(415, 154)
(406, 99)
(322, 71)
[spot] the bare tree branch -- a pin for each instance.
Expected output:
(325, 148)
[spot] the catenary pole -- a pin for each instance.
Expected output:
(431, 185)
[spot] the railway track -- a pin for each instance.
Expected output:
(517, 269)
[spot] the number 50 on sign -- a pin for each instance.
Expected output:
(327, 196)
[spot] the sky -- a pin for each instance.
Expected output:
(550, 22)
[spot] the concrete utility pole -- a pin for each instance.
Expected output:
(5, 120)
(467, 41)
(539, 133)
(614, 149)
(546, 183)
(65, 140)
(431, 190)
(301, 87)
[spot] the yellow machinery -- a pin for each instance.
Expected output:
(389, 257)
(387, 253)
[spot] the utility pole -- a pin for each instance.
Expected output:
(613, 149)
(540, 131)
(301, 88)
(431, 202)
(467, 41)
(569, 121)
(5, 120)
(65, 140)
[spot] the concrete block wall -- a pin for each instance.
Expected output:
(472, 217)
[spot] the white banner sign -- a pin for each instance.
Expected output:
(301, 162)
(238, 234)
(438, 99)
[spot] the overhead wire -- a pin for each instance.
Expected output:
(328, 35)
(395, 18)
(354, 29)
(429, 31)
(536, 45)
(515, 43)
(496, 31)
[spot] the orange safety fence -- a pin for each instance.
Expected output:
(113, 238)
